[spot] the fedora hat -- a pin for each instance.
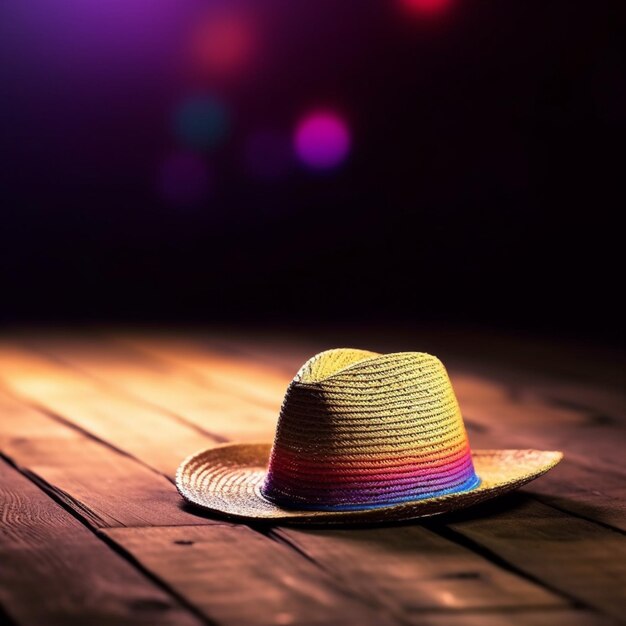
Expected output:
(361, 437)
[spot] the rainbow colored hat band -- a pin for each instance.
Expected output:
(361, 437)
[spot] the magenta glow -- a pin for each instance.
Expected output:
(322, 139)
(425, 7)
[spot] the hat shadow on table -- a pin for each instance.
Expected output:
(361, 438)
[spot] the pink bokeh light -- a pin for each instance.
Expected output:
(322, 139)
(426, 7)
(223, 42)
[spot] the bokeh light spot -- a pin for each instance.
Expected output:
(184, 180)
(426, 7)
(201, 122)
(222, 42)
(268, 155)
(322, 139)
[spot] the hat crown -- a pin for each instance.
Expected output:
(359, 429)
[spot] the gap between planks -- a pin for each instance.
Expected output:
(49, 554)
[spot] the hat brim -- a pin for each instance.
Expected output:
(226, 480)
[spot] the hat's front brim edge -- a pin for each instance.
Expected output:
(203, 481)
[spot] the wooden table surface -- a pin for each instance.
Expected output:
(92, 530)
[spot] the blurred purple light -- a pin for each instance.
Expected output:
(184, 180)
(322, 139)
(268, 155)
(108, 39)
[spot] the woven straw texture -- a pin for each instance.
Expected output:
(360, 436)
(227, 480)
(357, 428)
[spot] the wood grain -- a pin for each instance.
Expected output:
(185, 556)
(588, 484)
(157, 385)
(103, 485)
(55, 571)
(238, 576)
(582, 559)
(413, 569)
(80, 400)
(243, 377)
(543, 617)
(527, 410)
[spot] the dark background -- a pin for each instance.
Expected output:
(482, 188)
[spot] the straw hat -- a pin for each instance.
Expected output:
(361, 437)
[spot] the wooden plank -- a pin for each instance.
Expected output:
(578, 557)
(180, 555)
(592, 486)
(197, 358)
(603, 404)
(140, 378)
(558, 617)
(106, 487)
(598, 496)
(502, 405)
(55, 571)
(89, 405)
(412, 569)
(240, 577)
